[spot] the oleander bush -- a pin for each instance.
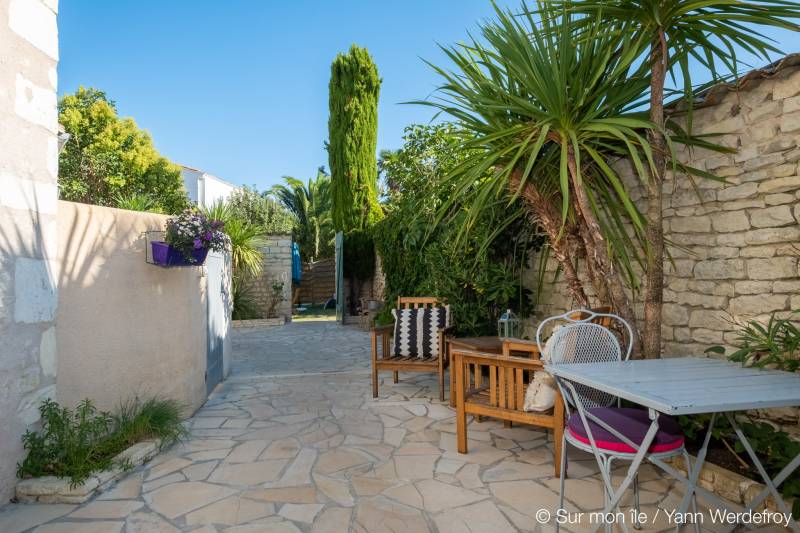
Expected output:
(75, 443)
(774, 344)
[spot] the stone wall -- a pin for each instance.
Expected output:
(277, 269)
(741, 256)
(736, 244)
(28, 204)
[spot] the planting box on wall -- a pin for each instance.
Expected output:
(159, 253)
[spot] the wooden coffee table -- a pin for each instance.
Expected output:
(489, 344)
(478, 344)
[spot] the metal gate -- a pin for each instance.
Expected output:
(217, 314)
(340, 276)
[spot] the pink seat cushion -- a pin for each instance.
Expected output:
(631, 422)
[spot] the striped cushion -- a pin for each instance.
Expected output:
(406, 325)
(416, 331)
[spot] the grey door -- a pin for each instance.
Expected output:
(217, 322)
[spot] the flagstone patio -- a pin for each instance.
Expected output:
(294, 441)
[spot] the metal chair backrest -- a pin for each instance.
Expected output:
(585, 337)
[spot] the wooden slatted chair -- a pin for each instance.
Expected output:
(388, 361)
(502, 394)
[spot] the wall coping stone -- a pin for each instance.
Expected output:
(259, 322)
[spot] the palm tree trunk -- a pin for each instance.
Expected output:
(599, 282)
(550, 221)
(654, 280)
(597, 251)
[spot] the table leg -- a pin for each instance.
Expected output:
(690, 481)
(693, 473)
(771, 485)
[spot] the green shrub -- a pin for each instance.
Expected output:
(256, 209)
(359, 255)
(136, 420)
(475, 265)
(76, 443)
(245, 306)
(137, 202)
(775, 344)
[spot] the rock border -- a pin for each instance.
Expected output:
(259, 322)
(52, 489)
(729, 485)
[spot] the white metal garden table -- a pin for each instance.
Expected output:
(685, 386)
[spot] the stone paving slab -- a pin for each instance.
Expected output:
(299, 450)
(301, 347)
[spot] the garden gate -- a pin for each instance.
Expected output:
(217, 308)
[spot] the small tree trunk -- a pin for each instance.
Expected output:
(550, 222)
(596, 251)
(599, 282)
(654, 281)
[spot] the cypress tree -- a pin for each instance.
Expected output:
(353, 140)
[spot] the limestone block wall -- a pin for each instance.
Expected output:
(28, 203)
(277, 269)
(736, 245)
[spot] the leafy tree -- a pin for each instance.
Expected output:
(352, 139)
(480, 275)
(311, 206)
(108, 157)
(668, 36)
(258, 209)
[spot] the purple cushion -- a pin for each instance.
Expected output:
(631, 422)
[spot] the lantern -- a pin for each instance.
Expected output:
(508, 326)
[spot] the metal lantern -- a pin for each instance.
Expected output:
(508, 327)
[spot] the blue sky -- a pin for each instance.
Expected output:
(240, 88)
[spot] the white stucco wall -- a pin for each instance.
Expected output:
(126, 327)
(190, 182)
(205, 189)
(215, 189)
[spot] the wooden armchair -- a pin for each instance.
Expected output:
(388, 361)
(502, 394)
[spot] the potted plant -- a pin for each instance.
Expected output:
(189, 237)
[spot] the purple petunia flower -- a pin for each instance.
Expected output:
(198, 244)
(208, 236)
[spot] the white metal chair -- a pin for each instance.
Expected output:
(593, 425)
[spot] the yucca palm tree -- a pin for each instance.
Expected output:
(667, 36)
(137, 202)
(549, 109)
(246, 239)
(311, 206)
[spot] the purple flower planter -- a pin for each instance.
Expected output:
(165, 255)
